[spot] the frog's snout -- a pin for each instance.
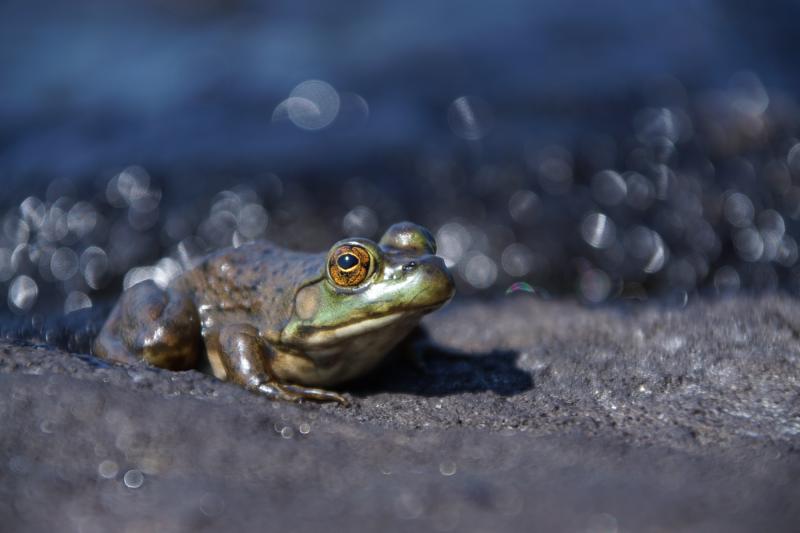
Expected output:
(433, 277)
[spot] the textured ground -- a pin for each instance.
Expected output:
(554, 418)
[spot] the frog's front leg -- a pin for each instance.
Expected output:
(160, 326)
(245, 357)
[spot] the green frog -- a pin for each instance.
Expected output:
(281, 323)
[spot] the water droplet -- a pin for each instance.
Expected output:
(219, 227)
(793, 159)
(520, 286)
(15, 229)
(132, 184)
(655, 124)
(167, 269)
(33, 212)
(658, 256)
(453, 240)
(517, 260)
(645, 244)
(480, 271)
(107, 469)
(76, 300)
(64, 263)
(726, 280)
(447, 468)
(641, 191)
(133, 479)
(608, 187)
(598, 230)
(81, 218)
(353, 110)
(22, 293)
(748, 243)
(747, 94)
(703, 238)
(554, 170)
(738, 209)
(312, 105)
(94, 265)
(772, 221)
(55, 226)
(147, 202)
(137, 275)
(6, 265)
(523, 207)
(252, 221)
(787, 251)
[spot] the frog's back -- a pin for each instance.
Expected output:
(252, 284)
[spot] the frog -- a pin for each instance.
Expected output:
(288, 325)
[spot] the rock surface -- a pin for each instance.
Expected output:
(531, 416)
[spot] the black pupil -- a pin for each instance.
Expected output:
(347, 261)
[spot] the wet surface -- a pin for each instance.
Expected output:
(646, 419)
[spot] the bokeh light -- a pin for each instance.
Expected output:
(470, 118)
(689, 189)
(312, 105)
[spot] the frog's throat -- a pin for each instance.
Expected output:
(354, 329)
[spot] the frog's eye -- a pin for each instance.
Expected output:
(349, 265)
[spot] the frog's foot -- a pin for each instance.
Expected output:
(245, 356)
(161, 327)
(288, 392)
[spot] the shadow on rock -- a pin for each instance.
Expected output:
(419, 367)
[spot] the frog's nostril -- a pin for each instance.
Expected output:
(410, 266)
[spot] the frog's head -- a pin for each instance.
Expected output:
(370, 287)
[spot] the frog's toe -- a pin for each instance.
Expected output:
(295, 393)
(275, 392)
(320, 395)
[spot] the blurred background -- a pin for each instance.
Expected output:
(609, 151)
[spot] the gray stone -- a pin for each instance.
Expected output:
(531, 415)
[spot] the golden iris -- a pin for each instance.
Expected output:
(349, 265)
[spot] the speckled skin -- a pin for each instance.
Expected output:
(256, 282)
(275, 321)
